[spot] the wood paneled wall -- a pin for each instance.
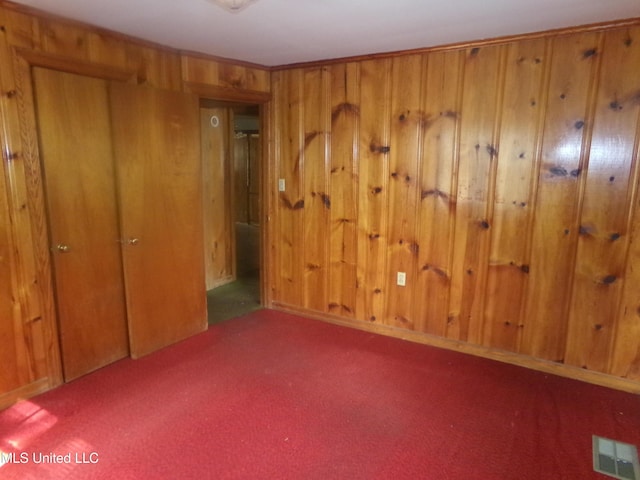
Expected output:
(217, 170)
(500, 177)
(28, 334)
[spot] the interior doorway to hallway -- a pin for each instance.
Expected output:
(231, 156)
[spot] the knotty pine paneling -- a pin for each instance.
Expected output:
(35, 362)
(288, 238)
(27, 304)
(479, 116)
(608, 188)
(313, 162)
(224, 74)
(501, 177)
(219, 220)
(574, 65)
(10, 356)
(438, 189)
(373, 188)
(405, 137)
(343, 240)
(515, 188)
(625, 353)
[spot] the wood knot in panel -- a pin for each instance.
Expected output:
(558, 171)
(326, 200)
(375, 148)
(13, 156)
(492, 151)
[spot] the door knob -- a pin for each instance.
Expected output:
(133, 241)
(63, 248)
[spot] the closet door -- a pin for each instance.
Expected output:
(156, 142)
(75, 149)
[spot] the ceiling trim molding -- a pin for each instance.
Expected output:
(556, 32)
(216, 92)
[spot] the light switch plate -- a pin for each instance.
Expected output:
(281, 185)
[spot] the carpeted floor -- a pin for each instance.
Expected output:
(276, 396)
(242, 295)
(234, 299)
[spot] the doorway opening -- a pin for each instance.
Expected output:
(232, 155)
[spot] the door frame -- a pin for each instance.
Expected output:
(265, 168)
(31, 168)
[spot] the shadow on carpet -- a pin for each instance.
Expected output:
(234, 299)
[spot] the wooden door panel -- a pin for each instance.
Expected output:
(157, 151)
(75, 148)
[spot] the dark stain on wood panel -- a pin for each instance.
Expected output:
(291, 206)
(437, 270)
(345, 108)
(376, 148)
(326, 200)
(434, 192)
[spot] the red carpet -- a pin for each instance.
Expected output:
(275, 396)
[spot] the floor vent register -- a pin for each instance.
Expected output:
(615, 459)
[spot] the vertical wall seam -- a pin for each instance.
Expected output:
(455, 172)
(355, 184)
(301, 184)
(386, 138)
(325, 78)
(415, 267)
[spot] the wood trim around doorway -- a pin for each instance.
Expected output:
(266, 206)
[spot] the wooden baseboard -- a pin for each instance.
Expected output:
(27, 391)
(546, 366)
(221, 281)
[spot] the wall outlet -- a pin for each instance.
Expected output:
(281, 185)
(402, 279)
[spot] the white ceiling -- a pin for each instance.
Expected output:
(280, 32)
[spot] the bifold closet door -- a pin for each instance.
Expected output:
(77, 157)
(156, 139)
